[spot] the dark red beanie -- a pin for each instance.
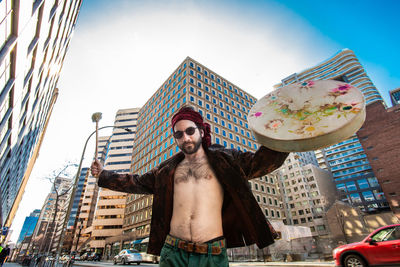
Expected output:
(188, 113)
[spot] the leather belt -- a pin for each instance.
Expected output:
(201, 248)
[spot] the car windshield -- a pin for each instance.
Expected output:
(130, 251)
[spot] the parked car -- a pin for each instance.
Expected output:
(381, 247)
(76, 257)
(94, 256)
(84, 256)
(128, 256)
(65, 258)
(149, 258)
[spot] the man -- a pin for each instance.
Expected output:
(5, 252)
(202, 203)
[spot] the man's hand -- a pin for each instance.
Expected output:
(96, 168)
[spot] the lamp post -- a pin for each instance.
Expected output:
(62, 235)
(79, 234)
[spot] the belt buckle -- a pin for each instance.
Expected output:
(190, 247)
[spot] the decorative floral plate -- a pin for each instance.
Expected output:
(307, 115)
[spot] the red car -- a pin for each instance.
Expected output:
(380, 248)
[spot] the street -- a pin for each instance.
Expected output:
(238, 264)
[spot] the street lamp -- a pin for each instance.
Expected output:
(79, 234)
(62, 235)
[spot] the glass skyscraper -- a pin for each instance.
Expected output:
(352, 173)
(395, 96)
(29, 225)
(34, 39)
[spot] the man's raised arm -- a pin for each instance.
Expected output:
(128, 183)
(261, 162)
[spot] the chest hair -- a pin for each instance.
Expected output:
(193, 171)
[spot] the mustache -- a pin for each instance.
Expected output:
(187, 143)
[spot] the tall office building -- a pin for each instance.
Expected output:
(29, 225)
(395, 96)
(351, 170)
(222, 104)
(35, 36)
(76, 206)
(87, 206)
(73, 221)
(116, 153)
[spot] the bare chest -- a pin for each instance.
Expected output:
(189, 172)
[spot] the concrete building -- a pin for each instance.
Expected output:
(51, 217)
(29, 225)
(222, 104)
(266, 192)
(35, 36)
(395, 96)
(308, 191)
(380, 139)
(349, 224)
(347, 160)
(86, 208)
(106, 220)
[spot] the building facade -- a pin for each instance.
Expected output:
(308, 191)
(51, 217)
(35, 36)
(380, 139)
(77, 204)
(223, 105)
(29, 225)
(106, 219)
(351, 169)
(87, 206)
(395, 96)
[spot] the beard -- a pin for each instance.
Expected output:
(186, 149)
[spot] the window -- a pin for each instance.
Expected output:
(368, 196)
(392, 233)
(355, 198)
(362, 183)
(351, 186)
(341, 188)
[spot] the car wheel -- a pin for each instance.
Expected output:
(138, 263)
(115, 261)
(354, 261)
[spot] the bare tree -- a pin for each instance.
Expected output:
(58, 191)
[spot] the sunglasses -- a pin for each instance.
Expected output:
(188, 131)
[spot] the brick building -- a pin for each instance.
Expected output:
(380, 139)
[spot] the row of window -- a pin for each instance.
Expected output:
(361, 184)
(262, 188)
(225, 98)
(367, 196)
(218, 80)
(270, 201)
(272, 213)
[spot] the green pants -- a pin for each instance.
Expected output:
(175, 257)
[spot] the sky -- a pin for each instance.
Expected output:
(123, 50)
